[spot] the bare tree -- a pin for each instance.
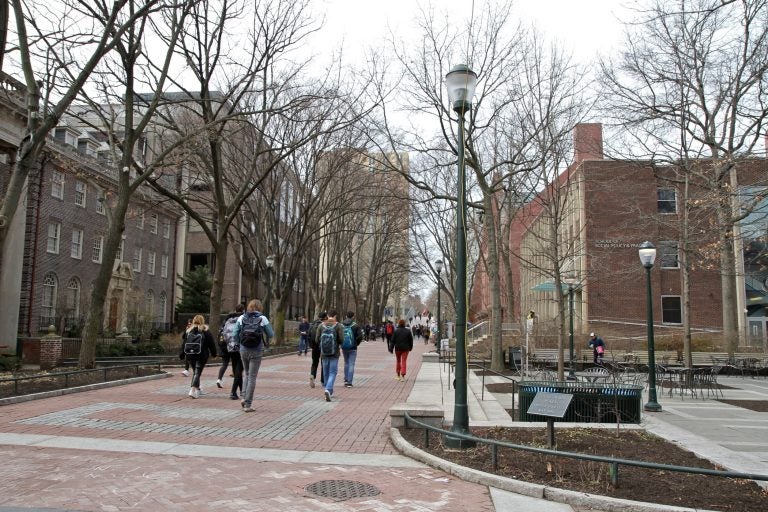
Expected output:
(690, 85)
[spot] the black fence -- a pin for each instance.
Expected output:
(592, 403)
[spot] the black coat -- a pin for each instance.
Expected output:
(208, 348)
(402, 339)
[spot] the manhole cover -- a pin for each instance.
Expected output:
(341, 490)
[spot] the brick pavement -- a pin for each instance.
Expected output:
(147, 446)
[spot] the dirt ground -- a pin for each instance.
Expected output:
(26, 383)
(640, 484)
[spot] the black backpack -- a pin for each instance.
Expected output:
(193, 344)
(252, 333)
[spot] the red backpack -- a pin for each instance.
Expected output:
(389, 329)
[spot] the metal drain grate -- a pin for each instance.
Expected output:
(340, 490)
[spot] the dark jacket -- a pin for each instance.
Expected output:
(314, 342)
(402, 339)
(339, 336)
(208, 348)
(357, 332)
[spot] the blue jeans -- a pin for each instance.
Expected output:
(330, 369)
(251, 363)
(303, 344)
(350, 356)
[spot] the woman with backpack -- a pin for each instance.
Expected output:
(197, 344)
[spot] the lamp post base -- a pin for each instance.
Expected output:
(652, 407)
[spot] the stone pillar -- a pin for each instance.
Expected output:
(50, 350)
(123, 337)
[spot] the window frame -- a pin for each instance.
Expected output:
(97, 249)
(664, 311)
(81, 196)
(164, 266)
(76, 246)
(54, 238)
(151, 257)
(57, 184)
(136, 265)
(660, 200)
(662, 254)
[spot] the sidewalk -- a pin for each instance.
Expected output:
(147, 446)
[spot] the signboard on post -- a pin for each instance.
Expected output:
(551, 405)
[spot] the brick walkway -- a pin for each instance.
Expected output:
(147, 446)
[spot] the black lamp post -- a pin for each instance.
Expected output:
(571, 374)
(460, 82)
(270, 261)
(439, 268)
(647, 254)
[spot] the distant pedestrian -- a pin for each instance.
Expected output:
(226, 330)
(389, 330)
(185, 372)
(196, 346)
(303, 336)
(597, 345)
(253, 332)
(353, 336)
(402, 344)
(315, 346)
(330, 336)
(232, 349)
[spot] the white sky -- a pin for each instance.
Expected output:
(586, 26)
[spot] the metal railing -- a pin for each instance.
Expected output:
(613, 462)
(14, 386)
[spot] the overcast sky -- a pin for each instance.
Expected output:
(587, 26)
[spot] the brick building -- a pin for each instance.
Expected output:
(606, 209)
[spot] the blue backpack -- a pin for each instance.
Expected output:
(349, 337)
(328, 341)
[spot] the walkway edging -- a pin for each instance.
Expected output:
(79, 389)
(555, 494)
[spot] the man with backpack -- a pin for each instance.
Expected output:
(225, 333)
(389, 330)
(230, 352)
(252, 331)
(315, 346)
(353, 336)
(330, 336)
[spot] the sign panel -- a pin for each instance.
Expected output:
(550, 404)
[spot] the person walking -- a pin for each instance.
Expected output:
(597, 345)
(232, 347)
(225, 334)
(197, 345)
(402, 343)
(185, 372)
(353, 336)
(253, 333)
(314, 345)
(330, 336)
(303, 336)
(389, 330)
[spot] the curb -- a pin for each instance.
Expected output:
(574, 498)
(79, 389)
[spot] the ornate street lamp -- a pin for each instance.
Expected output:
(647, 254)
(461, 82)
(439, 268)
(270, 261)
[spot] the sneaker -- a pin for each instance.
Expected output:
(327, 395)
(197, 393)
(218, 384)
(311, 382)
(397, 377)
(242, 403)
(234, 397)
(192, 392)
(248, 409)
(185, 373)
(347, 384)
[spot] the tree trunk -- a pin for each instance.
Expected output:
(492, 267)
(217, 287)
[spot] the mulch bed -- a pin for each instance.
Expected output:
(752, 405)
(640, 484)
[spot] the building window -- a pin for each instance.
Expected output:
(166, 229)
(140, 218)
(668, 255)
(671, 310)
(76, 250)
(100, 204)
(73, 298)
(50, 292)
(149, 304)
(80, 193)
(137, 260)
(164, 266)
(96, 252)
(57, 185)
(153, 223)
(163, 307)
(121, 250)
(666, 200)
(151, 263)
(54, 231)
